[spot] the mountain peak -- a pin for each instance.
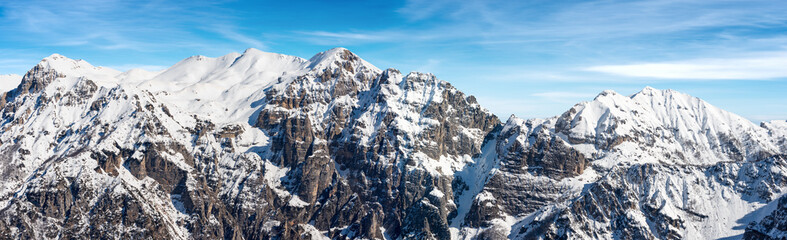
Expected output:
(252, 51)
(57, 66)
(319, 142)
(338, 55)
(56, 60)
(649, 89)
(339, 50)
(197, 58)
(606, 93)
(256, 52)
(255, 55)
(55, 56)
(64, 64)
(611, 114)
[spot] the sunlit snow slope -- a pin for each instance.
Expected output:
(258, 145)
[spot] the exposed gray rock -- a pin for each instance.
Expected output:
(343, 150)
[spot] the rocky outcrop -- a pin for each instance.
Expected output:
(374, 145)
(654, 201)
(333, 147)
(772, 226)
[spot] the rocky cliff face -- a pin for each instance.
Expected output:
(260, 145)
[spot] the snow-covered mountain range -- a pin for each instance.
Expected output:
(261, 145)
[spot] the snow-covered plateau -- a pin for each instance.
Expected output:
(259, 145)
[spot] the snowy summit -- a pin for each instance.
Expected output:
(259, 145)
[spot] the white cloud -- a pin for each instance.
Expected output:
(513, 22)
(761, 67)
(361, 37)
(114, 25)
(228, 33)
(346, 35)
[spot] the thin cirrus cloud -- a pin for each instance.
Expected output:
(552, 51)
(516, 22)
(361, 37)
(229, 33)
(139, 26)
(347, 35)
(769, 66)
(68, 24)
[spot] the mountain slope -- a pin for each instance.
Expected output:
(312, 152)
(660, 164)
(9, 81)
(259, 145)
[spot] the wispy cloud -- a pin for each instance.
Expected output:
(530, 47)
(112, 24)
(420, 9)
(518, 21)
(347, 35)
(763, 67)
(597, 33)
(229, 33)
(507, 74)
(368, 36)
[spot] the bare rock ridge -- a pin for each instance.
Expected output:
(258, 145)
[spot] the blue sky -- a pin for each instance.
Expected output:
(529, 58)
